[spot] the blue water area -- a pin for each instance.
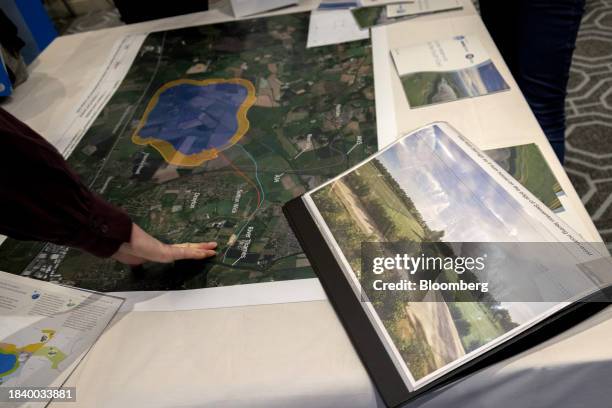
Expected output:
(7, 362)
(194, 118)
(491, 77)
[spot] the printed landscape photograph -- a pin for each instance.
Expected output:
(428, 88)
(426, 189)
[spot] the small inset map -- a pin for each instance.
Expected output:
(45, 330)
(190, 121)
(13, 357)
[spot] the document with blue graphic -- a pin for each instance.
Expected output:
(446, 70)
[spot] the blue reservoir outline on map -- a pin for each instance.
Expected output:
(7, 362)
(195, 118)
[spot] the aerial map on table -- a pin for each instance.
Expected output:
(213, 129)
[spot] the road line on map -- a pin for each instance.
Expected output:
(241, 174)
(263, 192)
(261, 198)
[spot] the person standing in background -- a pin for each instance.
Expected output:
(537, 39)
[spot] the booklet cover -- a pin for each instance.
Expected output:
(391, 240)
(446, 70)
(420, 7)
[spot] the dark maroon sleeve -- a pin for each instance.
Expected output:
(43, 199)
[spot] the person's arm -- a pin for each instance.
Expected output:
(142, 247)
(44, 200)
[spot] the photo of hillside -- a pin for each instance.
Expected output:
(426, 189)
(367, 17)
(527, 165)
(428, 88)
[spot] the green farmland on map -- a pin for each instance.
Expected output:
(212, 130)
(529, 167)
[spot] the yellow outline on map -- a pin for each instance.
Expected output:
(167, 150)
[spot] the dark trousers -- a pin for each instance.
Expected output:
(537, 39)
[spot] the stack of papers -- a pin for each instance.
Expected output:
(339, 21)
(244, 8)
(333, 27)
(379, 12)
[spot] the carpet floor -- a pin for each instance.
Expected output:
(589, 116)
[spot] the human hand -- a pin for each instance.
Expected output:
(143, 247)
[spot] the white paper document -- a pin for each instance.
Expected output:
(446, 70)
(99, 94)
(265, 293)
(371, 3)
(421, 7)
(45, 329)
(244, 8)
(328, 27)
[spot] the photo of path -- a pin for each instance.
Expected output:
(438, 326)
(370, 206)
(425, 189)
